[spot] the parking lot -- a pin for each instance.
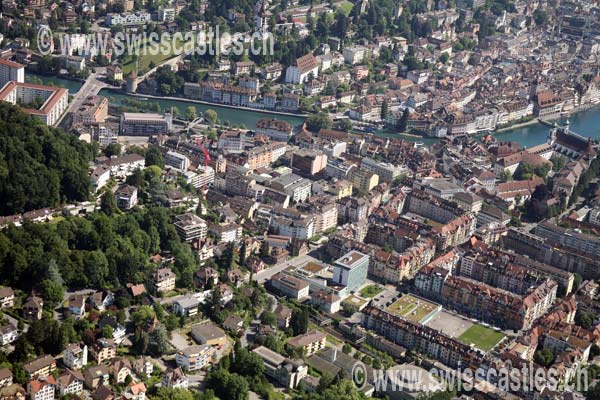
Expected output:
(450, 324)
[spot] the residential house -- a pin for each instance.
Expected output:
(175, 379)
(7, 297)
(75, 356)
(33, 307)
(70, 382)
(163, 280)
(96, 376)
(120, 369)
(8, 334)
(41, 389)
(103, 350)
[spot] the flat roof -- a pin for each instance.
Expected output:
(350, 259)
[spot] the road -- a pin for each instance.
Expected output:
(91, 87)
(266, 274)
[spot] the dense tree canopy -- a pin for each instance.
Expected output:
(39, 166)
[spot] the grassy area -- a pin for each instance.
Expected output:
(482, 337)
(346, 7)
(371, 291)
(412, 308)
(145, 58)
(355, 301)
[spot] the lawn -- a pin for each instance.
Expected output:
(145, 58)
(412, 308)
(482, 337)
(345, 7)
(371, 291)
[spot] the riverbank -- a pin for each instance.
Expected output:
(518, 125)
(207, 103)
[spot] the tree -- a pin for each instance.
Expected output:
(227, 385)
(264, 250)
(349, 309)
(158, 341)
(544, 357)
(403, 123)
(210, 116)
(242, 257)
(113, 149)
(154, 157)
(107, 332)
(299, 321)
(53, 293)
(191, 113)
(319, 121)
(384, 110)
(108, 203)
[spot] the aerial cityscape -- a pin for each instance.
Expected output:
(299, 199)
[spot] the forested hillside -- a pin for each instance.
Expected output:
(40, 166)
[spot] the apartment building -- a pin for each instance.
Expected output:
(579, 242)
(55, 100)
(93, 110)
(421, 339)
(231, 141)
(274, 129)
(202, 177)
(304, 67)
(11, 71)
(310, 343)
(551, 253)
(308, 162)
(177, 160)
(298, 188)
(195, 357)
(137, 18)
(387, 172)
(363, 181)
(226, 232)
(40, 367)
(191, 227)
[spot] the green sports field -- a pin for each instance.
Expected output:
(482, 337)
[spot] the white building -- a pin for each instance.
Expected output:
(138, 18)
(177, 160)
(195, 357)
(203, 176)
(75, 356)
(145, 124)
(42, 389)
(354, 54)
(54, 100)
(191, 227)
(304, 67)
(11, 71)
(8, 334)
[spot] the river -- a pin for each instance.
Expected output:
(586, 123)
